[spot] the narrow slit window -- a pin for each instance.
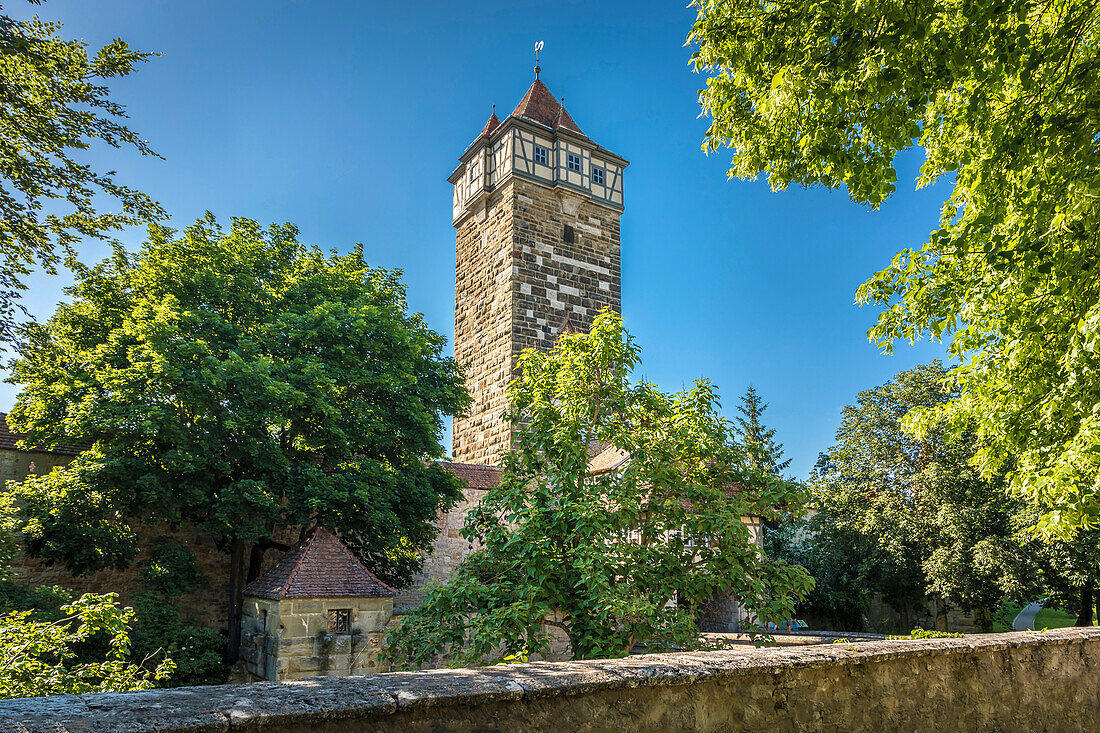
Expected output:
(568, 236)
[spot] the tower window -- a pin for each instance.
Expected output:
(473, 173)
(573, 162)
(542, 156)
(598, 176)
(567, 236)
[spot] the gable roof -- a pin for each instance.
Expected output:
(320, 566)
(539, 105)
(9, 440)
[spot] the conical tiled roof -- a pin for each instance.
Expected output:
(539, 105)
(320, 566)
(565, 122)
(492, 124)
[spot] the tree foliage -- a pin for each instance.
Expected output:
(42, 657)
(236, 381)
(1064, 573)
(757, 439)
(838, 557)
(9, 535)
(1004, 100)
(934, 526)
(54, 104)
(608, 558)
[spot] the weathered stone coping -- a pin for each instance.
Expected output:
(353, 703)
(790, 638)
(810, 633)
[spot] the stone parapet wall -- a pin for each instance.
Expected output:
(995, 682)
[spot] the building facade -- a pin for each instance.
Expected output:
(536, 206)
(536, 210)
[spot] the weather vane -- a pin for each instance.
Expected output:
(538, 48)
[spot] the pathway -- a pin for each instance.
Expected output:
(1026, 618)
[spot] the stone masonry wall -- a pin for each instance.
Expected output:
(449, 548)
(15, 465)
(289, 639)
(207, 604)
(556, 279)
(483, 323)
(996, 682)
(517, 283)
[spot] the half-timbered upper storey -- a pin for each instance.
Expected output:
(540, 142)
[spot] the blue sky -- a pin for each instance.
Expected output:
(346, 118)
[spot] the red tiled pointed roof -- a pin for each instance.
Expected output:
(565, 122)
(492, 124)
(540, 106)
(320, 566)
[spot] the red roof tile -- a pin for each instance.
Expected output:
(540, 106)
(320, 566)
(10, 438)
(476, 475)
(492, 124)
(564, 122)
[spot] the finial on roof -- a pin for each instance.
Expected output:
(538, 69)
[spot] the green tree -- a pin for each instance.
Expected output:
(841, 561)
(614, 557)
(54, 105)
(236, 381)
(42, 657)
(937, 528)
(1065, 574)
(757, 439)
(1003, 99)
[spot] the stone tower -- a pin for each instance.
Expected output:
(536, 209)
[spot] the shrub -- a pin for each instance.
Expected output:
(919, 633)
(43, 658)
(162, 632)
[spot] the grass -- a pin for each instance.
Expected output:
(1050, 618)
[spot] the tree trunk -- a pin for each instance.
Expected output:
(255, 561)
(236, 599)
(1084, 611)
(941, 613)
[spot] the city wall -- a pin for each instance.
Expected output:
(994, 682)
